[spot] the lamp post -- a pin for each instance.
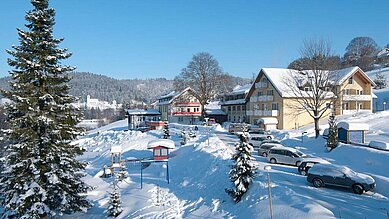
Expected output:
(384, 103)
(302, 136)
(268, 168)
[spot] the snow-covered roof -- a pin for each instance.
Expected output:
(116, 149)
(373, 95)
(268, 120)
(215, 112)
(143, 112)
(344, 74)
(173, 95)
(233, 102)
(372, 73)
(383, 53)
(279, 76)
(353, 126)
(241, 89)
(161, 142)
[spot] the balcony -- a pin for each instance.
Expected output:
(357, 98)
(188, 104)
(187, 113)
(261, 98)
(261, 85)
(351, 112)
(262, 112)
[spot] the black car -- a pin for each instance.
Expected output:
(329, 174)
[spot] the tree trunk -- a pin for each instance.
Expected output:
(317, 128)
(202, 112)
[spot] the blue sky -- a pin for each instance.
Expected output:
(127, 39)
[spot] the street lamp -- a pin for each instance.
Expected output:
(302, 136)
(384, 103)
(268, 168)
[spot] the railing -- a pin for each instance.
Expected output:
(350, 112)
(187, 113)
(262, 112)
(357, 97)
(261, 98)
(188, 104)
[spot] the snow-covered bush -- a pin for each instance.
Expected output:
(243, 170)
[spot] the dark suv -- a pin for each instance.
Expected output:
(329, 174)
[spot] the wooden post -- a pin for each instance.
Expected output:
(167, 172)
(141, 175)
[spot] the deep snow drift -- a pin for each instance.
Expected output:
(199, 175)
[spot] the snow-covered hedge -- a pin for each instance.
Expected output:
(379, 145)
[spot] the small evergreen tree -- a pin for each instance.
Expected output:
(243, 170)
(114, 207)
(332, 140)
(380, 81)
(166, 133)
(42, 176)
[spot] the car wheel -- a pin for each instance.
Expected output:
(303, 172)
(264, 154)
(357, 189)
(269, 137)
(298, 163)
(273, 161)
(317, 182)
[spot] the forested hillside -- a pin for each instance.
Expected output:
(123, 91)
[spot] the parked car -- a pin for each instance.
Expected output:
(287, 155)
(270, 141)
(264, 149)
(306, 165)
(329, 174)
(256, 140)
(235, 128)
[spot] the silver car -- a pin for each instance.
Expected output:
(264, 149)
(287, 155)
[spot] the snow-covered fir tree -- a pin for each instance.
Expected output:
(166, 133)
(243, 170)
(42, 175)
(332, 140)
(114, 205)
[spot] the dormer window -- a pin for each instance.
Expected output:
(307, 89)
(350, 80)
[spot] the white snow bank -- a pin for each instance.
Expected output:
(353, 126)
(379, 145)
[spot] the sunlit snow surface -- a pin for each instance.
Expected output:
(199, 176)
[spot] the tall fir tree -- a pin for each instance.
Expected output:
(243, 170)
(332, 140)
(42, 175)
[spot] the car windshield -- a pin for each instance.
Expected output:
(349, 172)
(300, 154)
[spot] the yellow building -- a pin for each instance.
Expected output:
(271, 104)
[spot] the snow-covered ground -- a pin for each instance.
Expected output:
(199, 176)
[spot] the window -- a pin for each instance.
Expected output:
(307, 89)
(243, 108)
(260, 93)
(264, 106)
(188, 110)
(238, 108)
(270, 92)
(350, 80)
(229, 108)
(234, 118)
(157, 152)
(233, 109)
(163, 152)
(274, 106)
